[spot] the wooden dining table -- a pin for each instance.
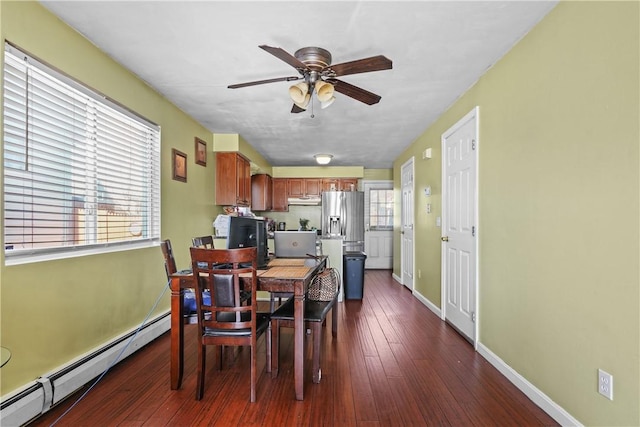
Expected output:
(292, 275)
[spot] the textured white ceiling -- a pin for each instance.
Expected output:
(190, 51)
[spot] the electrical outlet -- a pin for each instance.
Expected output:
(605, 384)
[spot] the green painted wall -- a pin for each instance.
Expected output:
(378, 174)
(52, 312)
(318, 171)
(559, 208)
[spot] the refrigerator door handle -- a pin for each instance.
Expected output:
(343, 215)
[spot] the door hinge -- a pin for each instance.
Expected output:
(473, 231)
(473, 316)
(473, 144)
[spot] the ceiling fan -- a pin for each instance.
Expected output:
(314, 66)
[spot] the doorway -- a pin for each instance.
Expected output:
(406, 226)
(459, 226)
(378, 224)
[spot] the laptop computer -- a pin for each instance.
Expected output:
(294, 244)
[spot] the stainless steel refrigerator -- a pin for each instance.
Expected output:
(343, 217)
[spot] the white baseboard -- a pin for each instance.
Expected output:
(38, 397)
(396, 278)
(543, 401)
(431, 306)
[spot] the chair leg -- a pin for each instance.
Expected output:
(267, 345)
(317, 346)
(202, 357)
(253, 370)
(220, 354)
(272, 302)
(334, 319)
(275, 347)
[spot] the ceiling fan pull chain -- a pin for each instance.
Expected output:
(312, 116)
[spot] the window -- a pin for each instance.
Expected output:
(80, 171)
(380, 209)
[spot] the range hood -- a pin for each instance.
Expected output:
(304, 201)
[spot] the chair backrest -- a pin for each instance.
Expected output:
(205, 242)
(226, 274)
(169, 260)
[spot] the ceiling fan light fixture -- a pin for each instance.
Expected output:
(323, 159)
(325, 104)
(299, 92)
(324, 90)
(305, 102)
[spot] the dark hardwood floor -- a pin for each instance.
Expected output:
(394, 363)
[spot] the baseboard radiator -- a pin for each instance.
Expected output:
(50, 389)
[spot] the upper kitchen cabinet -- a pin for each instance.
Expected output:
(304, 187)
(233, 179)
(280, 195)
(339, 184)
(261, 192)
(349, 184)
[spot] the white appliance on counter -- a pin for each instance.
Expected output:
(343, 217)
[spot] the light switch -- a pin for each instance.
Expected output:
(438, 222)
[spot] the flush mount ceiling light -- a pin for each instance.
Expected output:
(323, 159)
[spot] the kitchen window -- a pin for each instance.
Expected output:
(81, 173)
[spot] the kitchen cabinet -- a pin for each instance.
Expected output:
(303, 187)
(330, 184)
(233, 179)
(349, 184)
(261, 192)
(279, 195)
(340, 184)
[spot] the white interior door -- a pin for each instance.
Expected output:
(378, 225)
(407, 213)
(459, 228)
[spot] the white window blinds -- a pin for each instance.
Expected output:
(79, 170)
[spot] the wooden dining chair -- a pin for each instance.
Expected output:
(231, 317)
(205, 242)
(169, 260)
(170, 268)
(321, 297)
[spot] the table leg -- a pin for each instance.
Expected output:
(177, 333)
(298, 344)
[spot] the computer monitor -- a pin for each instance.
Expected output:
(245, 232)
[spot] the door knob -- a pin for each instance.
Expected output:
(445, 238)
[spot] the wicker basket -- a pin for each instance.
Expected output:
(325, 286)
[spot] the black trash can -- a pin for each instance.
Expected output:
(353, 266)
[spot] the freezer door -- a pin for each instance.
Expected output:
(332, 207)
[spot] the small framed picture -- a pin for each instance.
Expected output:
(179, 162)
(201, 152)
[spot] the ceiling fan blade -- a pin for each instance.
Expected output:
(355, 92)
(261, 82)
(366, 65)
(295, 109)
(285, 56)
